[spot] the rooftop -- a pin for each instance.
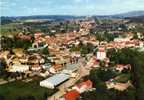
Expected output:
(57, 79)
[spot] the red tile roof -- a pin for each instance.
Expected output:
(57, 66)
(71, 95)
(123, 66)
(101, 49)
(88, 83)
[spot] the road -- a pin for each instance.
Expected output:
(62, 88)
(82, 71)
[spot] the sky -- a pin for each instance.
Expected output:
(68, 7)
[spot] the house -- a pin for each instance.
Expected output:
(107, 61)
(24, 59)
(44, 74)
(75, 54)
(18, 68)
(37, 35)
(57, 67)
(83, 86)
(46, 66)
(121, 39)
(141, 44)
(52, 70)
(19, 52)
(35, 67)
(4, 54)
(121, 67)
(92, 63)
(32, 59)
(71, 95)
(15, 60)
(24, 37)
(117, 86)
(122, 86)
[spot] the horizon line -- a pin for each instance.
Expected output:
(73, 14)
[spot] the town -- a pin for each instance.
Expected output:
(86, 58)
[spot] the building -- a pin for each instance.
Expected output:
(44, 74)
(18, 68)
(71, 69)
(54, 81)
(35, 67)
(101, 54)
(37, 35)
(71, 95)
(83, 86)
(92, 62)
(46, 66)
(120, 67)
(57, 67)
(118, 86)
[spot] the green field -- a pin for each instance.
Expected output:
(13, 90)
(9, 29)
(123, 78)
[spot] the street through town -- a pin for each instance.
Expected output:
(82, 71)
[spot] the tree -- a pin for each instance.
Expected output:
(99, 37)
(2, 97)
(3, 66)
(99, 76)
(110, 52)
(103, 74)
(45, 95)
(105, 36)
(6, 42)
(108, 37)
(25, 97)
(95, 95)
(45, 51)
(97, 82)
(19, 43)
(85, 49)
(74, 48)
(128, 94)
(102, 63)
(135, 36)
(135, 58)
(111, 94)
